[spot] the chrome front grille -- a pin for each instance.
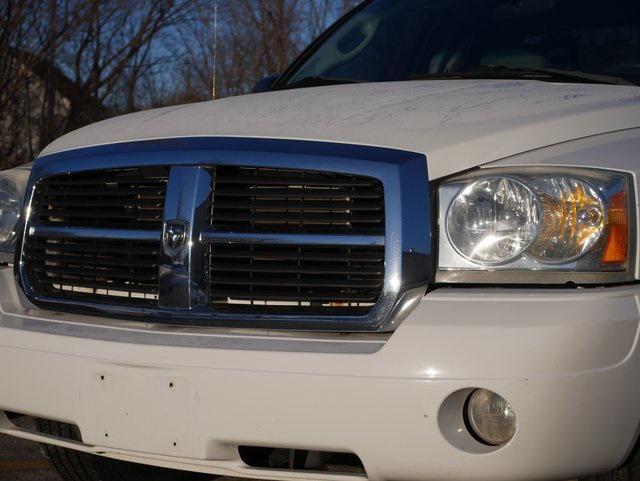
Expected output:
(113, 271)
(237, 232)
(116, 271)
(285, 200)
(114, 199)
(303, 279)
(296, 279)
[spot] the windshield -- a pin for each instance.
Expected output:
(392, 40)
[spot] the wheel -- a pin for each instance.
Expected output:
(629, 471)
(78, 466)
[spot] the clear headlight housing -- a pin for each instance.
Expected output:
(535, 225)
(12, 190)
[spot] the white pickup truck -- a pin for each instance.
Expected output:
(414, 256)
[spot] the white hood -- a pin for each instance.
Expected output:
(456, 124)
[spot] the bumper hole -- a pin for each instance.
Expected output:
(50, 427)
(300, 460)
(454, 425)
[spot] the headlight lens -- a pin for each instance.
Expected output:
(12, 188)
(525, 226)
(493, 221)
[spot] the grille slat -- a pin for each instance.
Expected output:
(298, 279)
(114, 177)
(309, 219)
(317, 269)
(112, 271)
(275, 255)
(115, 287)
(96, 271)
(145, 203)
(140, 215)
(284, 281)
(307, 192)
(151, 194)
(76, 249)
(303, 297)
(339, 205)
(295, 179)
(92, 261)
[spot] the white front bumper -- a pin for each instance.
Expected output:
(566, 360)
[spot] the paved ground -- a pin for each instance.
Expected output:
(23, 461)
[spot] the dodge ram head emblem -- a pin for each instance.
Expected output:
(175, 234)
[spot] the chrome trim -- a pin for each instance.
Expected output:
(211, 236)
(530, 277)
(182, 282)
(407, 240)
(193, 337)
(93, 233)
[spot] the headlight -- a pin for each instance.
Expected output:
(12, 188)
(493, 221)
(536, 226)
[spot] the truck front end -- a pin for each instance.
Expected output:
(419, 278)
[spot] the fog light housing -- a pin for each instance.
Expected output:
(490, 417)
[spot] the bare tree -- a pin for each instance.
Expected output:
(25, 100)
(256, 38)
(67, 63)
(113, 49)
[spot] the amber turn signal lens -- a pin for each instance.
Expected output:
(573, 219)
(616, 248)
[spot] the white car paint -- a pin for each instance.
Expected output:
(568, 360)
(456, 124)
(561, 357)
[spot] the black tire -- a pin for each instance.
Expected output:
(629, 471)
(78, 466)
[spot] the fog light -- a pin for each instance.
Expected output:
(491, 418)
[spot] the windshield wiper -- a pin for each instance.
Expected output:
(547, 74)
(317, 81)
(579, 75)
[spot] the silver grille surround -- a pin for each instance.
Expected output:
(183, 276)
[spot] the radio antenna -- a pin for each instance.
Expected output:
(214, 69)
